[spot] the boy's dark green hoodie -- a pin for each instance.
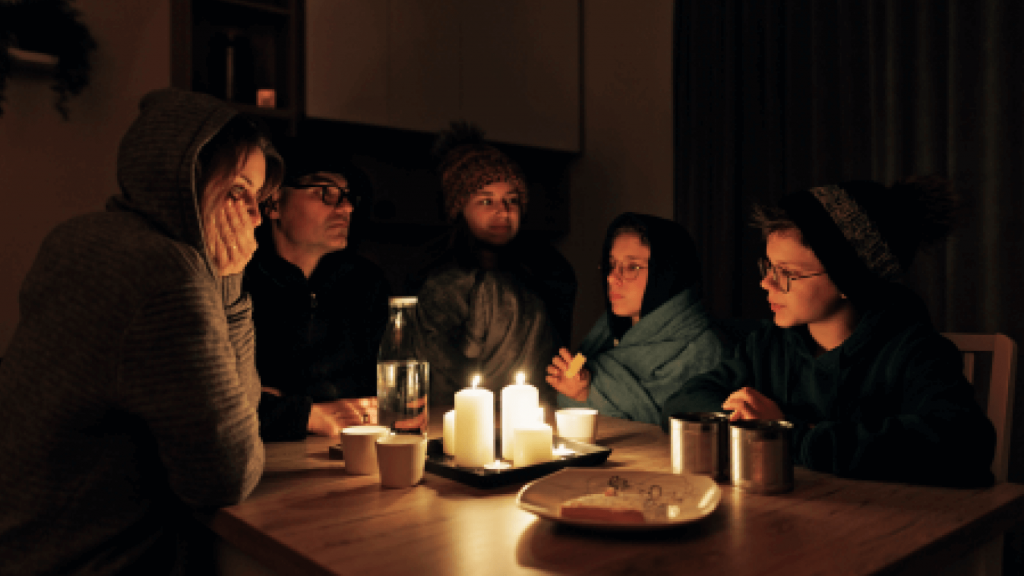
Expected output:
(891, 403)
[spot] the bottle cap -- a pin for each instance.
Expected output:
(402, 301)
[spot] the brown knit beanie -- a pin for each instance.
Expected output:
(468, 164)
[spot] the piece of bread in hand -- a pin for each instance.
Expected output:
(574, 366)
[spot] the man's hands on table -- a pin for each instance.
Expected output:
(328, 418)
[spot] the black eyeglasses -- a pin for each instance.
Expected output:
(628, 272)
(782, 280)
(332, 195)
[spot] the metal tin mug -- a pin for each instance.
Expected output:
(700, 443)
(762, 461)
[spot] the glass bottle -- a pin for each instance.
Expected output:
(402, 380)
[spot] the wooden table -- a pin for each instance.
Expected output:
(308, 516)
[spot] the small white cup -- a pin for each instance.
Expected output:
(357, 445)
(579, 424)
(401, 459)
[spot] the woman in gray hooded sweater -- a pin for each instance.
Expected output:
(128, 393)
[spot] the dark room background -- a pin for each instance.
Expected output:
(772, 96)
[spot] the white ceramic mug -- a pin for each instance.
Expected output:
(579, 424)
(401, 459)
(357, 446)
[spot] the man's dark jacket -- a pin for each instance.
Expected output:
(316, 338)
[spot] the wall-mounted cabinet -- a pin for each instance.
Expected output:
(511, 66)
(247, 52)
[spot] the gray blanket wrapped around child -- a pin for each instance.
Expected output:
(473, 321)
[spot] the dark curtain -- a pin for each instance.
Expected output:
(773, 96)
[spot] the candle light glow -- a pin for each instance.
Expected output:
(519, 402)
(562, 451)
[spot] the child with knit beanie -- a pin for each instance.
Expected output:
(490, 302)
(851, 358)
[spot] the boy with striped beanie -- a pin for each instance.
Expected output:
(851, 358)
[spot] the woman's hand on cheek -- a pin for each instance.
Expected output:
(231, 238)
(749, 404)
(577, 387)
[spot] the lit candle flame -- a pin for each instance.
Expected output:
(476, 380)
(520, 377)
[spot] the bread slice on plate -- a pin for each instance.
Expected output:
(607, 507)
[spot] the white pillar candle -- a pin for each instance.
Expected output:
(533, 441)
(449, 433)
(474, 426)
(519, 402)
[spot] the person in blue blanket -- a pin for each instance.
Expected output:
(852, 360)
(655, 333)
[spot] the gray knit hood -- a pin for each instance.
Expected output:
(156, 162)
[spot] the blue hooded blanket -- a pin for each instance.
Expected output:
(636, 367)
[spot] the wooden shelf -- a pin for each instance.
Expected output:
(231, 49)
(280, 113)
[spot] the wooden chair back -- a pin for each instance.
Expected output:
(1000, 386)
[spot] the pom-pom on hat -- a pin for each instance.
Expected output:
(467, 164)
(867, 234)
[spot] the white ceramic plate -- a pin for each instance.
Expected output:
(668, 499)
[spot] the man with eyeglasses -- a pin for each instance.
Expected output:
(319, 309)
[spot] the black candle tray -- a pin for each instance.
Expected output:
(443, 465)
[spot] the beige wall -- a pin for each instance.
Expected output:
(626, 163)
(51, 170)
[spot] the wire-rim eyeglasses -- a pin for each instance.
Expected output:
(782, 280)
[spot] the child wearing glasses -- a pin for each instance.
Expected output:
(655, 333)
(851, 358)
(491, 302)
(319, 309)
